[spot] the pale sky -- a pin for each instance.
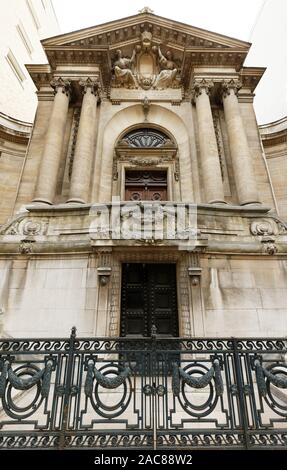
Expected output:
(231, 17)
(235, 18)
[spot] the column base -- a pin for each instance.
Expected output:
(43, 201)
(217, 201)
(76, 201)
(251, 203)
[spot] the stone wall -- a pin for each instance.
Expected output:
(244, 296)
(14, 137)
(40, 297)
(46, 297)
(274, 138)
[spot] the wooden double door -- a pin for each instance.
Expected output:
(149, 298)
(144, 185)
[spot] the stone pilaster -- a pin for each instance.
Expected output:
(239, 148)
(50, 163)
(211, 172)
(84, 152)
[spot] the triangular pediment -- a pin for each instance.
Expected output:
(126, 31)
(188, 47)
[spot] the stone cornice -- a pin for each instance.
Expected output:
(122, 27)
(13, 130)
(40, 74)
(190, 46)
(274, 133)
(251, 76)
(101, 56)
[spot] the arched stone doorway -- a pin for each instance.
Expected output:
(125, 121)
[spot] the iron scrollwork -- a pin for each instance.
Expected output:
(131, 393)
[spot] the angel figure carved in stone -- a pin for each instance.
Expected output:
(168, 73)
(123, 72)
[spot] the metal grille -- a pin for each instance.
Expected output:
(118, 393)
(146, 138)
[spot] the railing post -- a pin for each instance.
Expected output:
(242, 412)
(154, 367)
(67, 389)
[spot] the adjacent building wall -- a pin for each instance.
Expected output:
(23, 24)
(274, 139)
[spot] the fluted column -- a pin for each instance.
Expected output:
(49, 169)
(211, 171)
(239, 147)
(84, 151)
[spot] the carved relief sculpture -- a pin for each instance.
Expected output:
(147, 68)
(123, 72)
(166, 77)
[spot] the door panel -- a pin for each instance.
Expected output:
(149, 298)
(142, 185)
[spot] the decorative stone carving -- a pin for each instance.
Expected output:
(233, 84)
(104, 274)
(123, 70)
(32, 228)
(94, 85)
(263, 227)
(63, 84)
(73, 140)
(147, 68)
(146, 108)
(25, 226)
(201, 84)
(220, 147)
(146, 10)
(167, 76)
(25, 247)
(145, 161)
(266, 230)
(269, 247)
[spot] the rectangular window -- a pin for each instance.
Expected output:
(33, 13)
(15, 67)
(24, 37)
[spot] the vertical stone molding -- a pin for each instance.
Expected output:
(239, 147)
(211, 172)
(49, 168)
(83, 158)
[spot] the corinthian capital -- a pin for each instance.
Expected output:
(228, 85)
(61, 84)
(93, 85)
(200, 85)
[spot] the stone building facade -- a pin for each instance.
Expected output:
(148, 123)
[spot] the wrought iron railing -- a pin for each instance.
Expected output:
(154, 393)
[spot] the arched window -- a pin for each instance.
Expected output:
(146, 138)
(145, 159)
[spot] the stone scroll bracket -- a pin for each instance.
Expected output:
(104, 274)
(266, 231)
(195, 275)
(194, 272)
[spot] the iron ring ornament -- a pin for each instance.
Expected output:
(106, 392)
(108, 377)
(198, 376)
(274, 374)
(24, 377)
